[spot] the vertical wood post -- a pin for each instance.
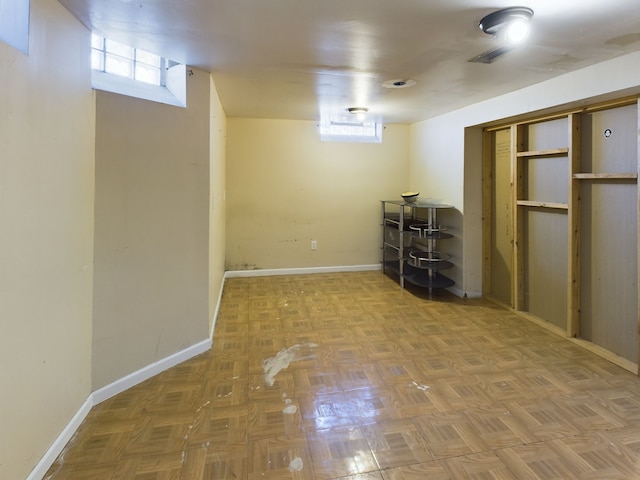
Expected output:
(573, 267)
(518, 144)
(488, 147)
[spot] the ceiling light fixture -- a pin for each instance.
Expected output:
(359, 112)
(509, 24)
(399, 83)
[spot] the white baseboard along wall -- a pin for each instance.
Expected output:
(155, 368)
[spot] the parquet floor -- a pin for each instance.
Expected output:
(346, 376)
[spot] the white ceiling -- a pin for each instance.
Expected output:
(300, 59)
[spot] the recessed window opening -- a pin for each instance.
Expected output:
(14, 24)
(137, 73)
(115, 58)
(343, 130)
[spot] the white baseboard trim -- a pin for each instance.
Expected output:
(119, 386)
(107, 392)
(474, 294)
(299, 271)
(458, 292)
(214, 320)
(59, 443)
(149, 371)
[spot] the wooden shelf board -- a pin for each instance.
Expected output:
(529, 203)
(555, 152)
(605, 176)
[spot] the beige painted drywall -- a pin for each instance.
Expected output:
(285, 188)
(440, 157)
(217, 203)
(151, 295)
(46, 219)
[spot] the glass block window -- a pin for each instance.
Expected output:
(14, 24)
(340, 130)
(115, 58)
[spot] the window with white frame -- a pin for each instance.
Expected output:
(14, 24)
(341, 129)
(131, 71)
(117, 59)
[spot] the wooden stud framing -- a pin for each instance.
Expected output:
(519, 203)
(573, 267)
(488, 142)
(519, 143)
(638, 227)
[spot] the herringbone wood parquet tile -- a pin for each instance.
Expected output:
(346, 376)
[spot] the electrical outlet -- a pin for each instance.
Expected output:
(314, 245)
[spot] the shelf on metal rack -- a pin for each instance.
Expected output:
(410, 253)
(423, 279)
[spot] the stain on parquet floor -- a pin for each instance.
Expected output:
(390, 385)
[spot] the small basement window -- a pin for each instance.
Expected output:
(345, 129)
(122, 69)
(14, 24)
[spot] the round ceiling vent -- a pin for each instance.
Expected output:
(399, 83)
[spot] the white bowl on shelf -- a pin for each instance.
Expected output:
(410, 197)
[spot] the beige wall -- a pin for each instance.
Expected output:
(217, 205)
(151, 296)
(285, 187)
(441, 158)
(46, 219)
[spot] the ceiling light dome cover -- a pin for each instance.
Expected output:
(493, 23)
(357, 110)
